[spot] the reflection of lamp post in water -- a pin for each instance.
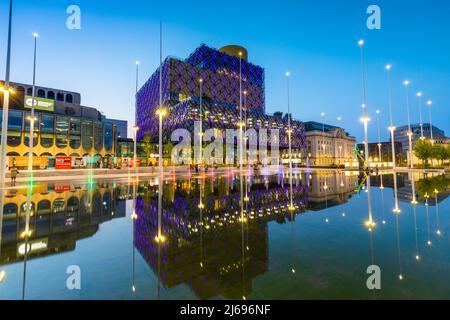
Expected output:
(410, 133)
(291, 204)
(438, 230)
(379, 147)
(32, 117)
(419, 95)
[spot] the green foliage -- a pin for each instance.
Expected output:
(428, 186)
(423, 150)
(147, 146)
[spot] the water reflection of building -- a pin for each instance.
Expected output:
(210, 249)
(59, 218)
(330, 189)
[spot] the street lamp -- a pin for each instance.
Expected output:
(288, 74)
(419, 95)
(365, 119)
(392, 127)
(410, 133)
(201, 123)
(322, 114)
(6, 92)
(429, 103)
(135, 130)
(240, 113)
(32, 117)
(161, 113)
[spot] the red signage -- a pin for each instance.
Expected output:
(63, 163)
(133, 161)
(59, 188)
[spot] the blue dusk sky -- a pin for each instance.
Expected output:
(315, 40)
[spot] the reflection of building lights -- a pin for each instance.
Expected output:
(293, 271)
(160, 239)
(429, 243)
(133, 288)
(438, 232)
(2, 276)
(417, 257)
(370, 225)
(400, 277)
(397, 210)
(26, 233)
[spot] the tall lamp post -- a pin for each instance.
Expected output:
(419, 95)
(200, 160)
(135, 127)
(429, 104)
(410, 133)
(291, 207)
(6, 92)
(240, 114)
(370, 224)
(32, 118)
(323, 135)
(378, 112)
(365, 119)
(391, 127)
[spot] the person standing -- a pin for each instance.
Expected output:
(13, 172)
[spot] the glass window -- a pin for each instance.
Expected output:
(61, 141)
(47, 123)
(62, 125)
(108, 136)
(75, 142)
(86, 134)
(46, 140)
(75, 126)
(14, 138)
(15, 120)
(26, 138)
(98, 136)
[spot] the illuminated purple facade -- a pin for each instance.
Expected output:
(220, 93)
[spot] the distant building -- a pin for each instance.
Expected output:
(121, 126)
(401, 135)
(386, 153)
(63, 127)
(220, 73)
(328, 146)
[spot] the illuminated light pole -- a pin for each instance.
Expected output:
(392, 127)
(201, 123)
(365, 119)
(378, 112)
(429, 103)
(291, 207)
(240, 113)
(410, 133)
(32, 118)
(392, 130)
(323, 135)
(161, 113)
(370, 224)
(135, 127)
(6, 92)
(135, 157)
(419, 95)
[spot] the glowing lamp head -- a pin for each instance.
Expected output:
(35, 34)
(429, 103)
(361, 42)
(419, 94)
(378, 111)
(288, 74)
(322, 114)
(406, 82)
(200, 80)
(388, 67)
(138, 63)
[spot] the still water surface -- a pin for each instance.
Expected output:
(229, 236)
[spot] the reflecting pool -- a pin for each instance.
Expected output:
(228, 235)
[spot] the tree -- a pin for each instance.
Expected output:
(423, 150)
(440, 153)
(147, 146)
